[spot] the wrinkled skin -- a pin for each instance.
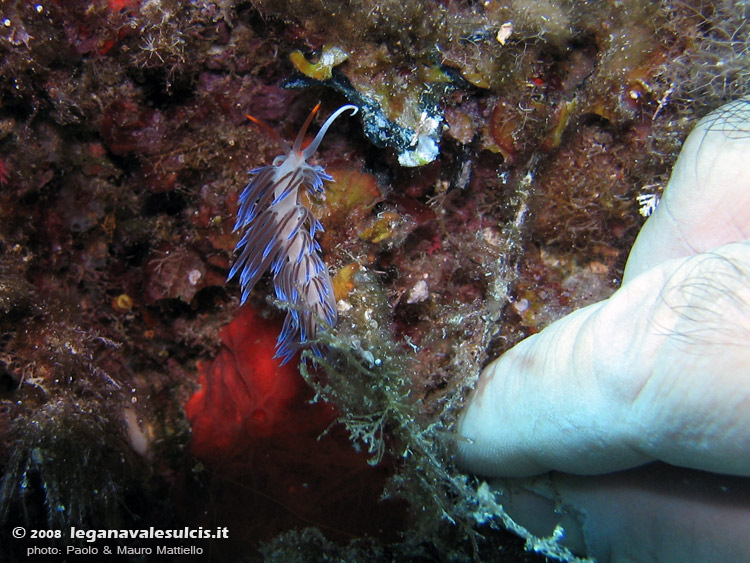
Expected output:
(659, 372)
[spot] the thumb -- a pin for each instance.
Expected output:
(707, 199)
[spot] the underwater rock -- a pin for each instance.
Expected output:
(415, 134)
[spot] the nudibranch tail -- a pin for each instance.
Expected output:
(279, 234)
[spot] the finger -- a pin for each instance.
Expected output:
(658, 371)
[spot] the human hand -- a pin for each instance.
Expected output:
(660, 371)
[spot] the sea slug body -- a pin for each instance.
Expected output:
(279, 233)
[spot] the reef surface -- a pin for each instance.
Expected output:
(494, 180)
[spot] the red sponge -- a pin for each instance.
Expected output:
(255, 429)
(246, 395)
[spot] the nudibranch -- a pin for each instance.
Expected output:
(279, 232)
